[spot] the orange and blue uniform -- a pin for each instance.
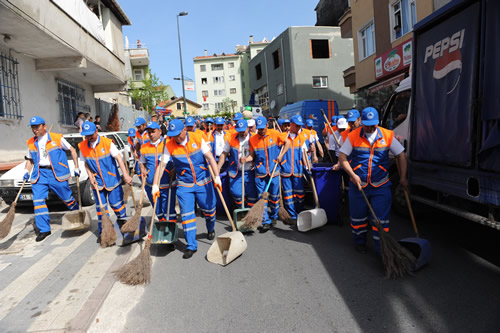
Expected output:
(54, 177)
(193, 183)
(266, 150)
(103, 165)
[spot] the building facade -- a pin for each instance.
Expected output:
(55, 55)
(302, 63)
(223, 81)
(176, 107)
(382, 34)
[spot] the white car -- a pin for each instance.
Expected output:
(11, 181)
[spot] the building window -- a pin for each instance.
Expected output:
(10, 99)
(232, 91)
(263, 97)
(320, 48)
(242, 72)
(232, 77)
(217, 67)
(218, 79)
(230, 64)
(206, 106)
(220, 92)
(71, 100)
(320, 81)
(276, 58)
(218, 106)
(235, 104)
(203, 68)
(403, 17)
(138, 74)
(203, 80)
(258, 71)
(204, 93)
(279, 89)
(367, 41)
(179, 106)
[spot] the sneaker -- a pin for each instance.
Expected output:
(188, 254)
(265, 227)
(211, 235)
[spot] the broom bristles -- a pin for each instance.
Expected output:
(253, 219)
(126, 193)
(6, 224)
(133, 223)
(283, 214)
(108, 234)
(397, 260)
(138, 270)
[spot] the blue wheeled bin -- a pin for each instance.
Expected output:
(328, 187)
(224, 178)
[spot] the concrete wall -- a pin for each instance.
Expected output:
(362, 13)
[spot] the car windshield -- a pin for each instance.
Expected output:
(73, 141)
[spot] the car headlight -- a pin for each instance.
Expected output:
(7, 183)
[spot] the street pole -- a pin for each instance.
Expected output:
(180, 56)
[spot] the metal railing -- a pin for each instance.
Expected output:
(10, 100)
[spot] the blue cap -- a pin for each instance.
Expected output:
(131, 132)
(139, 121)
(241, 125)
(36, 121)
(88, 128)
(352, 115)
(309, 122)
(237, 116)
(153, 125)
(209, 120)
(175, 127)
(219, 121)
(280, 122)
(286, 121)
(261, 122)
(369, 116)
(189, 121)
(297, 120)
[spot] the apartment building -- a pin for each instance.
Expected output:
(55, 55)
(382, 34)
(302, 63)
(224, 78)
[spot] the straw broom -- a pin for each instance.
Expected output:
(6, 224)
(396, 258)
(133, 223)
(283, 214)
(138, 270)
(108, 233)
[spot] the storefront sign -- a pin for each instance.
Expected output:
(394, 60)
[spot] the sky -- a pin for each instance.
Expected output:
(217, 26)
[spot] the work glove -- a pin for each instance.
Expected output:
(77, 172)
(218, 183)
(155, 191)
(26, 175)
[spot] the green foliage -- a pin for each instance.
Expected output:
(152, 91)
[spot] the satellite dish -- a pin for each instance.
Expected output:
(273, 104)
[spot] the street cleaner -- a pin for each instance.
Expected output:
(47, 167)
(368, 150)
(292, 167)
(151, 153)
(190, 155)
(132, 143)
(236, 149)
(265, 153)
(353, 121)
(341, 127)
(101, 157)
(141, 135)
(313, 138)
(329, 139)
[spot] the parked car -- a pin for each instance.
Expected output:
(11, 181)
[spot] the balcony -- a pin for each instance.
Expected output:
(345, 23)
(59, 41)
(139, 57)
(350, 79)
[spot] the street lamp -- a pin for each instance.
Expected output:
(180, 56)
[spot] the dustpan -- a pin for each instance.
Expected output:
(310, 219)
(226, 248)
(76, 219)
(129, 237)
(420, 248)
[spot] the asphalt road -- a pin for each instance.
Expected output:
(285, 281)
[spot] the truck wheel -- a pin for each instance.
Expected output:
(87, 195)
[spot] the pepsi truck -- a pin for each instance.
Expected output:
(447, 113)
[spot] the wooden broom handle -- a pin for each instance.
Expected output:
(222, 198)
(315, 193)
(19, 192)
(408, 202)
(379, 225)
(330, 126)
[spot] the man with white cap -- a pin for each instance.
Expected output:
(47, 167)
(341, 127)
(251, 126)
(191, 157)
(236, 149)
(101, 157)
(368, 150)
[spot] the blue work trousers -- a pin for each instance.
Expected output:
(274, 197)
(115, 200)
(250, 190)
(293, 194)
(205, 197)
(162, 205)
(40, 190)
(380, 198)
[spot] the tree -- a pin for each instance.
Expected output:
(227, 106)
(152, 91)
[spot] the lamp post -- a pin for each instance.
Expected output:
(180, 56)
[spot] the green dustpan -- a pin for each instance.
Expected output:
(239, 214)
(164, 233)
